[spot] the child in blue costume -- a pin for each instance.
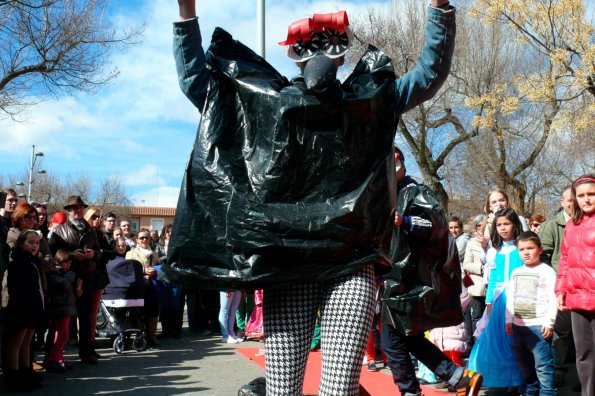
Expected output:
(492, 354)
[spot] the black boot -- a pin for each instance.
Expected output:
(31, 376)
(15, 382)
(256, 387)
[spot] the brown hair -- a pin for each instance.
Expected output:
(456, 219)
(577, 212)
(142, 230)
(536, 217)
(21, 211)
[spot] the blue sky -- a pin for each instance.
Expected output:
(141, 127)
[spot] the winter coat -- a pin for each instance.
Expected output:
(423, 287)
(576, 272)
(138, 255)
(67, 236)
(25, 307)
(475, 259)
(551, 235)
(61, 293)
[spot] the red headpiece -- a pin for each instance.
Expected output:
(326, 33)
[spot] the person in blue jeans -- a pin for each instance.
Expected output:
(229, 302)
(531, 309)
(413, 302)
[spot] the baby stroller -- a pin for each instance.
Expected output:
(120, 313)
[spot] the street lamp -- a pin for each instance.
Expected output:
(34, 156)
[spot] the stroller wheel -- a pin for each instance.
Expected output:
(140, 342)
(119, 344)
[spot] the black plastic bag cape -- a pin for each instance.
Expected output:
(282, 186)
(423, 288)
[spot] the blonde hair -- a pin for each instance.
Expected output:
(62, 255)
(91, 210)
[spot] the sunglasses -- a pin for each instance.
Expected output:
(95, 217)
(142, 238)
(31, 217)
(535, 224)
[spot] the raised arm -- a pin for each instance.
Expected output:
(193, 76)
(187, 9)
(425, 79)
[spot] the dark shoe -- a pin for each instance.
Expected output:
(372, 366)
(469, 384)
(559, 379)
(163, 335)
(67, 365)
(55, 367)
(14, 381)
(89, 359)
(31, 376)
(256, 387)
(98, 356)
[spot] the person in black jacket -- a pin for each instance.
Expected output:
(422, 289)
(81, 241)
(24, 312)
(61, 291)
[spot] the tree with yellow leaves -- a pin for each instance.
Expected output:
(555, 90)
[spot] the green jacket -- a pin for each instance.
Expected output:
(551, 235)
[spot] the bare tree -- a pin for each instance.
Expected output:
(435, 129)
(111, 193)
(54, 47)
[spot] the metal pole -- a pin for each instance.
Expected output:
(260, 19)
(31, 172)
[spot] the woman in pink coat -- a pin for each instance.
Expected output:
(575, 287)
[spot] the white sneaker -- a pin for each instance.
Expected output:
(231, 340)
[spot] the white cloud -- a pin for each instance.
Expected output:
(165, 197)
(147, 175)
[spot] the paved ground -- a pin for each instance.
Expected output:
(193, 365)
(189, 366)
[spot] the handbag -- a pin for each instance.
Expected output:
(467, 281)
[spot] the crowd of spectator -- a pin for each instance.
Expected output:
(53, 271)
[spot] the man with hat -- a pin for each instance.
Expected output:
(76, 236)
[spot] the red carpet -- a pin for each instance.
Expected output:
(379, 383)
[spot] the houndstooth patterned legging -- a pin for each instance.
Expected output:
(347, 308)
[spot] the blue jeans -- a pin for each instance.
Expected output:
(227, 312)
(535, 359)
(397, 347)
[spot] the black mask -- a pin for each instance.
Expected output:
(320, 75)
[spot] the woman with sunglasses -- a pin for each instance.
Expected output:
(100, 279)
(143, 254)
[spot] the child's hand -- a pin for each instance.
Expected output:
(547, 332)
(509, 328)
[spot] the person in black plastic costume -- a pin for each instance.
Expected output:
(421, 292)
(290, 185)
